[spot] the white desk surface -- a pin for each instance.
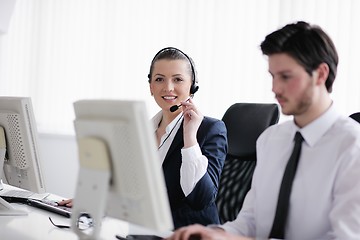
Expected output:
(36, 225)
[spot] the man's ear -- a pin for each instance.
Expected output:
(322, 73)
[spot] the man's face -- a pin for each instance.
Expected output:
(292, 85)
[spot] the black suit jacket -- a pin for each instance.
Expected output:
(199, 206)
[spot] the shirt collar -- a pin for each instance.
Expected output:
(313, 131)
(156, 120)
(158, 117)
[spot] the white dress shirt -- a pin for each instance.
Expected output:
(194, 164)
(325, 197)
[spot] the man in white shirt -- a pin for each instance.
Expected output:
(325, 194)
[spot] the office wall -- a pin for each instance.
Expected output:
(59, 51)
(60, 163)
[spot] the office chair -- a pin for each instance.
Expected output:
(244, 123)
(356, 116)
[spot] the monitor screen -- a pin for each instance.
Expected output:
(20, 161)
(116, 136)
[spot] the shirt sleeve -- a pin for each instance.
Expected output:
(212, 140)
(193, 168)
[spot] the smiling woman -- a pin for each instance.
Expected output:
(192, 147)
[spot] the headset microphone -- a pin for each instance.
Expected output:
(176, 107)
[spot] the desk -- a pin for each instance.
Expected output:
(36, 226)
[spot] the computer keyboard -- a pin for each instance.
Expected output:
(50, 206)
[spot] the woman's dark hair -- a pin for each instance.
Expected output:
(308, 44)
(171, 53)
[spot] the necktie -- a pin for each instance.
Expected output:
(282, 207)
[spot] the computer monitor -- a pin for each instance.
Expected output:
(120, 172)
(20, 161)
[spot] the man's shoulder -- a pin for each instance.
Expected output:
(347, 122)
(347, 127)
(277, 129)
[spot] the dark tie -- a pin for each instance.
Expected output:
(282, 207)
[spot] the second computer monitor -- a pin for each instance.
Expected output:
(121, 132)
(19, 145)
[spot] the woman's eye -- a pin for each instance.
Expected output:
(178, 80)
(285, 77)
(158, 79)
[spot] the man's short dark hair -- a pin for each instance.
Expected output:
(308, 44)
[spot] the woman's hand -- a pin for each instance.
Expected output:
(192, 120)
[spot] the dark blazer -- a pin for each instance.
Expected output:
(199, 206)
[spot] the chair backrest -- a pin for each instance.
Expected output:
(244, 123)
(356, 116)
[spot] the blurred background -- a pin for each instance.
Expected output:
(60, 51)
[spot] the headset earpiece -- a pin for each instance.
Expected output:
(194, 88)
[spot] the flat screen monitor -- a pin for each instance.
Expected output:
(117, 135)
(20, 160)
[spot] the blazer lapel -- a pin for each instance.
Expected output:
(177, 143)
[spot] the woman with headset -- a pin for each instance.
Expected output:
(192, 147)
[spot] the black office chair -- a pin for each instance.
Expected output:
(356, 116)
(244, 123)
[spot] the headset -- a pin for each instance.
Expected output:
(194, 87)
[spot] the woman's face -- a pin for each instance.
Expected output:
(170, 82)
